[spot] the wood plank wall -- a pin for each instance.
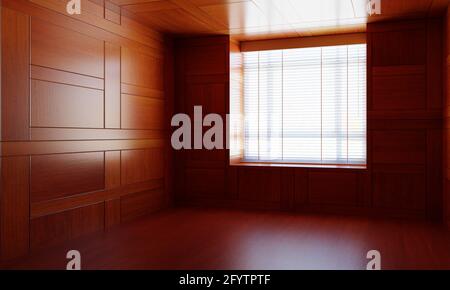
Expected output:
(404, 173)
(446, 159)
(83, 122)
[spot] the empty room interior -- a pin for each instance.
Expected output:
(225, 134)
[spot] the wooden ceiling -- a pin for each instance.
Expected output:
(257, 19)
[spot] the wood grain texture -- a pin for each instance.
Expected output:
(280, 241)
(140, 204)
(15, 73)
(62, 108)
(14, 207)
(142, 165)
(58, 105)
(112, 87)
(62, 175)
(56, 228)
(67, 50)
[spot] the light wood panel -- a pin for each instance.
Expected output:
(58, 105)
(66, 125)
(262, 19)
(67, 50)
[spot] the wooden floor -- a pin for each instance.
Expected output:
(190, 238)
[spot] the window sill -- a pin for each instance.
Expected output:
(297, 165)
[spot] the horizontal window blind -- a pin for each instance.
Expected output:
(306, 105)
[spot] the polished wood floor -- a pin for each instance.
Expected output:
(192, 238)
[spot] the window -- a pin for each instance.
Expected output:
(305, 105)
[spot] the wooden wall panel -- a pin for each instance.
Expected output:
(446, 101)
(14, 206)
(53, 229)
(333, 188)
(68, 127)
(112, 87)
(15, 73)
(138, 204)
(62, 175)
(142, 165)
(404, 122)
(67, 50)
(141, 70)
(58, 105)
(142, 113)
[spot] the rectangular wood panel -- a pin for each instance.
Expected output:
(68, 78)
(56, 228)
(112, 213)
(112, 86)
(142, 113)
(399, 190)
(141, 70)
(57, 176)
(58, 48)
(14, 206)
(333, 188)
(400, 147)
(205, 182)
(400, 47)
(139, 204)
(142, 165)
(15, 67)
(399, 92)
(112, 169)
(58, 105)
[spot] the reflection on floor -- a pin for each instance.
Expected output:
(190, 238)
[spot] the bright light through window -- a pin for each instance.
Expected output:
(306, 105)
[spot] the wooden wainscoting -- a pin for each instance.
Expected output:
(404, 174)
(83, 122)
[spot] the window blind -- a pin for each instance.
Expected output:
(305, 105)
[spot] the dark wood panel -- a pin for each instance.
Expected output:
(139, 204)
(112, 213)
(53, 229)
(75, 201)
(112, 169)
(112, 86)
(206, 59)
(57, 176)
(142, 113)
(260, 184)
(399, 92)
(399, 190)
(400, 47)
(15, 75)
(204, 182)
(333, 188)
(14, 207)
(399, 147)
(142, 165)
(58, 105)
(55, 47)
